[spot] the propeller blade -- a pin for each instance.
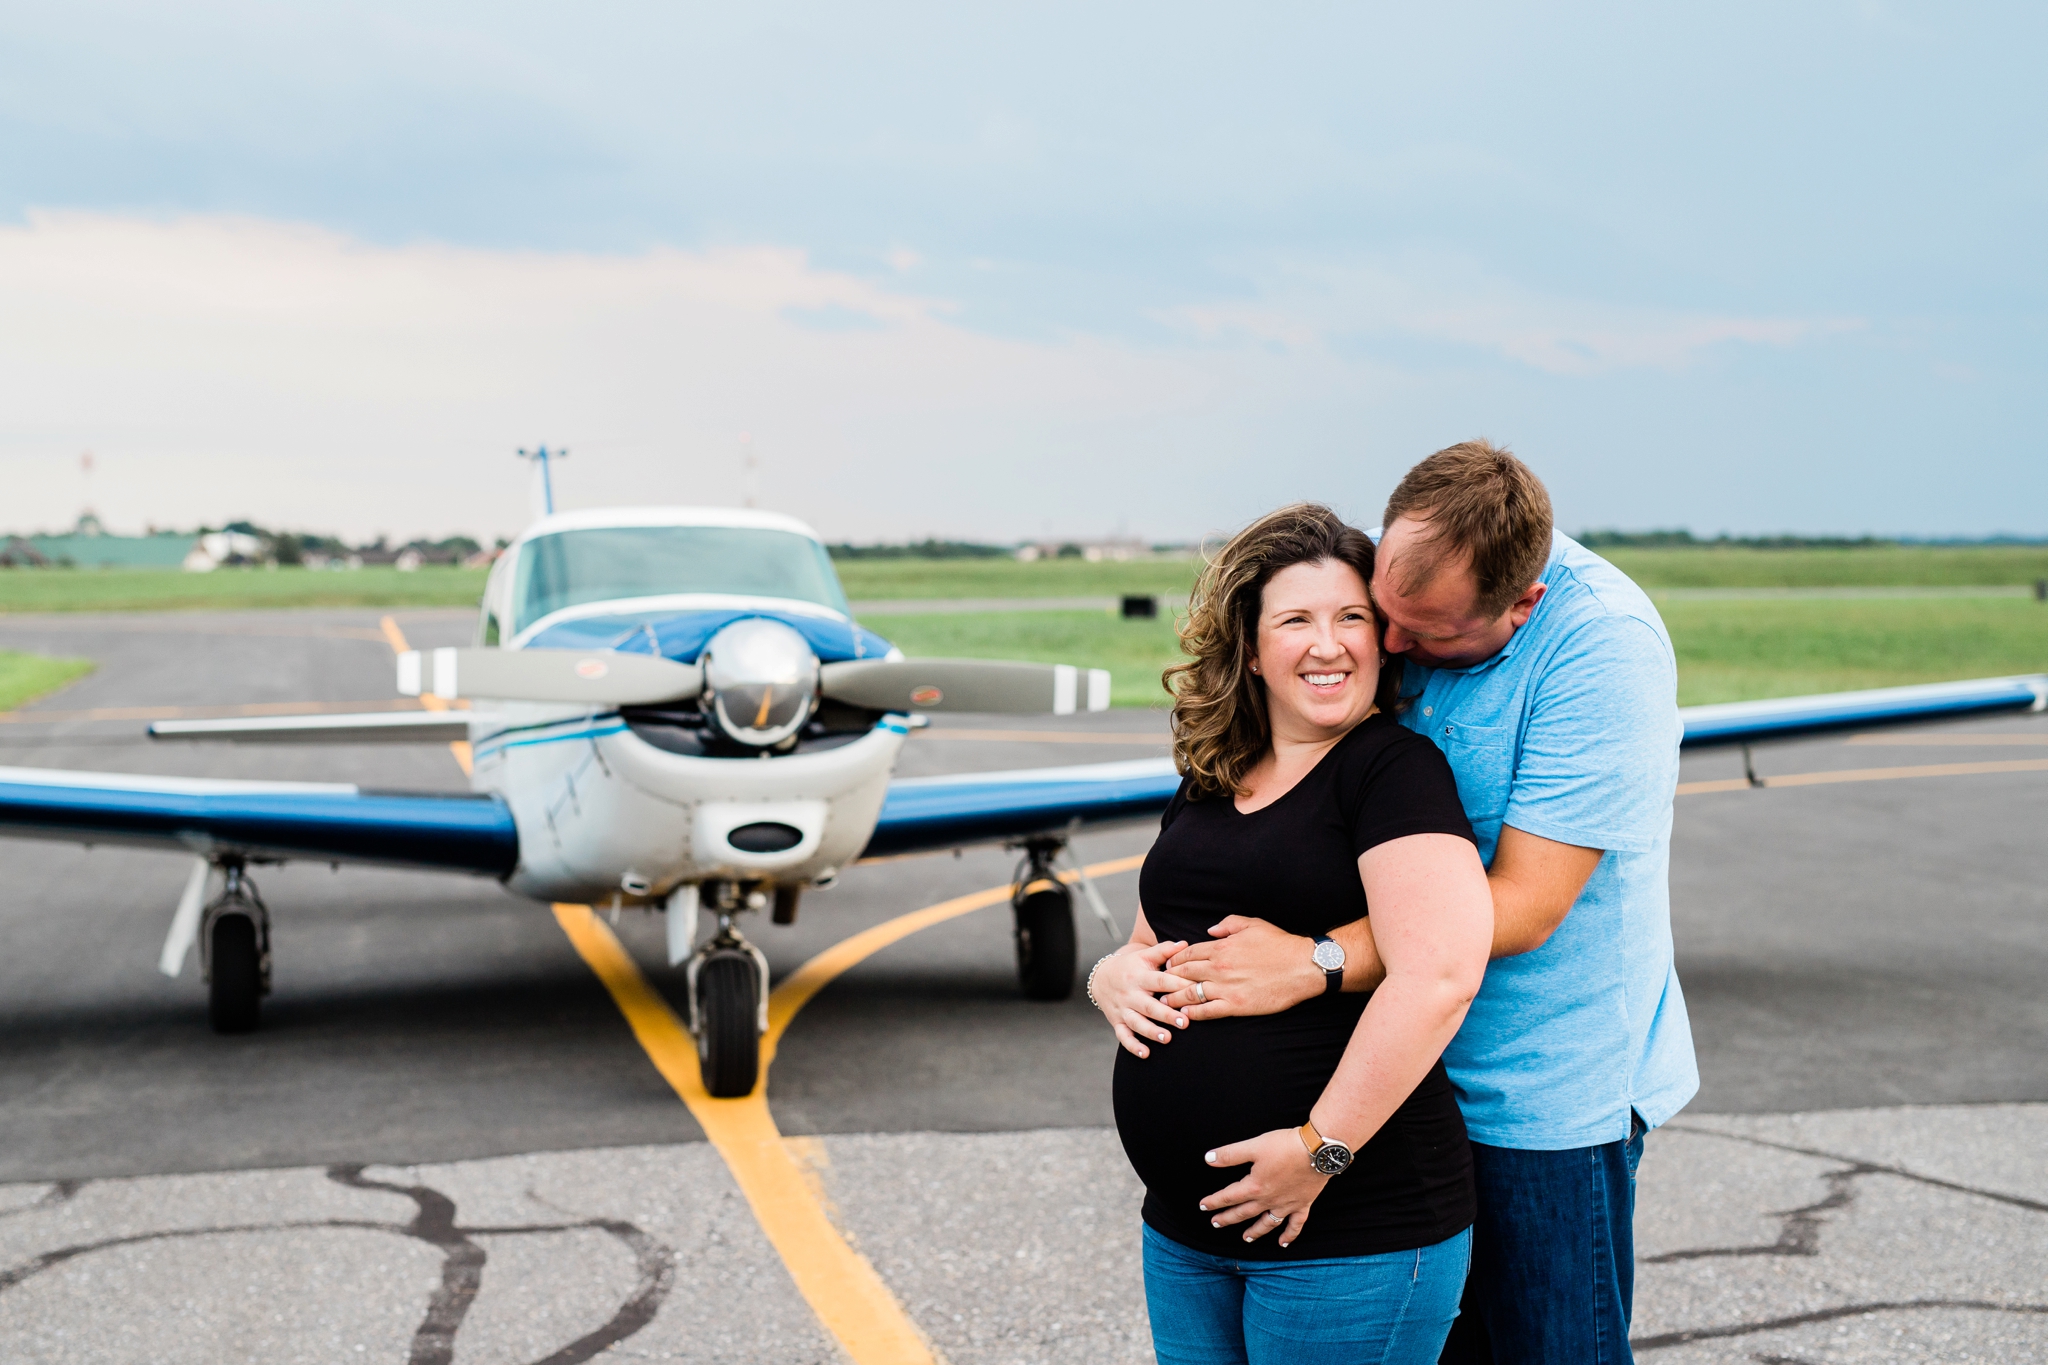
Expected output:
(597, 677)
(967, 685)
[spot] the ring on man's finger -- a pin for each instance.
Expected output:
(1202, 991)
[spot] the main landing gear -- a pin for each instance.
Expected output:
(234, 952)
(1043, 905)
(728, 983)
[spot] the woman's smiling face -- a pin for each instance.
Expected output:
(1318, 650)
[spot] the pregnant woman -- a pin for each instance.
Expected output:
(1308, 1188)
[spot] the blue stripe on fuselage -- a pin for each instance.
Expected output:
(682, 635)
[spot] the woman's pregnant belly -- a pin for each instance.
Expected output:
(1223, 1081)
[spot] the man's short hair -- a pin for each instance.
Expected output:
(1479, 500)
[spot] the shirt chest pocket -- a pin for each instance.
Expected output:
(1483, 760)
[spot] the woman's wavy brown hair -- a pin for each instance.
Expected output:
(1220, 727)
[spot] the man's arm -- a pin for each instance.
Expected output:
(1256, 968)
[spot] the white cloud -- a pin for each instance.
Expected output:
(1448, 301)
(225, 367)
(373, 387)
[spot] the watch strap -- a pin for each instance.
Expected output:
(1317, 1144)
(1333, 980)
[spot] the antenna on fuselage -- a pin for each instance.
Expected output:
(544, 485)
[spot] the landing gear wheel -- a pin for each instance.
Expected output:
(728, 1025)
(235, 980)
(1045, 941)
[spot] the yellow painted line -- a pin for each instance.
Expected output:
(842, 1288)
(1946, 741)
(1736, 784)
(806, 981)
(1726, 784)
(395, 637)
(780, 1184)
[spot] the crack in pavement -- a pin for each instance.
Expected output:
(433, 1222)
(1799, 1235)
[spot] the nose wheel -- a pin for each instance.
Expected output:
(728, 982)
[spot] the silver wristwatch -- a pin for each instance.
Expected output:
(1329, 955)
(1327, 1155)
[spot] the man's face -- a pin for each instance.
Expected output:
(1438, 625)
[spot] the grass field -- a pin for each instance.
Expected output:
(1727, 650)
(24, 590)
(24, 677)
(233, 589)
(1929, 566)
(1735, 651)
(868, 579)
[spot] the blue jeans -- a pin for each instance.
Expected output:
(1391, 1309)
(1553, 1257)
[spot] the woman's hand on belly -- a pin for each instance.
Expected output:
(1126, 987)
(1278, 1192)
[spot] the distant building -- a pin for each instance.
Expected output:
(88, 546)
(1118, 549)
(218, 549)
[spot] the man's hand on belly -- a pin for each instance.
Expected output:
(1252, 967)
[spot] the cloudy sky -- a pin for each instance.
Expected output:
(1065, 269)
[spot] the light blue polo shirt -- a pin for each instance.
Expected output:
(1571, 733)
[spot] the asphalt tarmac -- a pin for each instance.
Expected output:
(1845, 946)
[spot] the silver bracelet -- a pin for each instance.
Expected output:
(1089, 985)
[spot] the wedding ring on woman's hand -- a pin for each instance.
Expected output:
(1201, 990)
(1276, 1217)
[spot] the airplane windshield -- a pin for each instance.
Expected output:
(570, 568)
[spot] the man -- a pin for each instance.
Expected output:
(1548, 680)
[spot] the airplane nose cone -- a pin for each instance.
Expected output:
(760, 681)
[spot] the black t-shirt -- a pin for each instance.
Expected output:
(1295, 864)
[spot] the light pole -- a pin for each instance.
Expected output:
(540, 457)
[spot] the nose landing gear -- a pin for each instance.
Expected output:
(728, 985)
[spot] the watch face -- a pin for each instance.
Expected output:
(1332, 1158)
(1329, 956)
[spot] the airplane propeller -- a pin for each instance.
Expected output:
(606, 678)
(966, 685)
(592, 677)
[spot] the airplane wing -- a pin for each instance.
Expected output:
(261, 821)
(923, 813)
(926, 813)
(1749, 722)
(373, 727)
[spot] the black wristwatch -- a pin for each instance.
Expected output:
(1329, 955)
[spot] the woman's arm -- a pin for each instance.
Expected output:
(1127, 984)
(1433, 924)
(1251, 967)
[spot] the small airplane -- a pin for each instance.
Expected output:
(674, 709)
(667, 708)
